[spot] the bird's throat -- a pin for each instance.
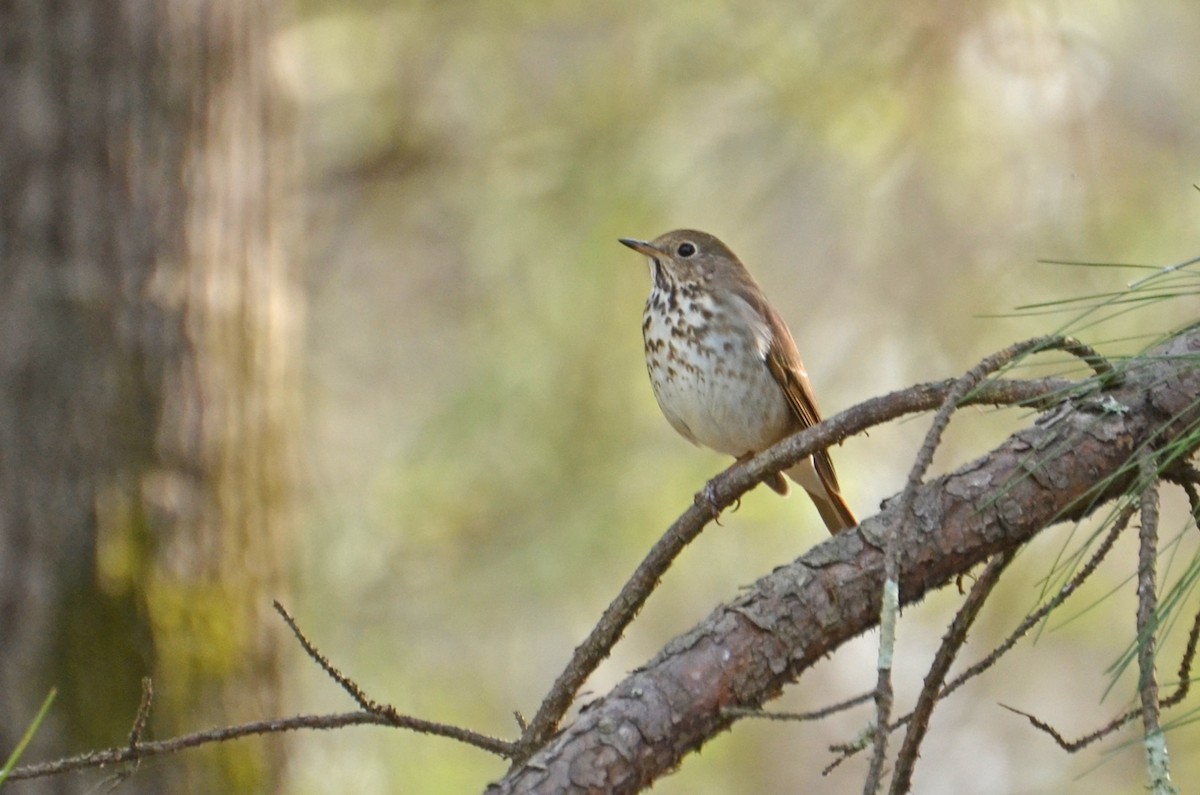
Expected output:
(659, 274)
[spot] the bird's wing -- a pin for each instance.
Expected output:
(783, 360)
(779, 353)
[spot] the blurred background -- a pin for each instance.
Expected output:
(487, 461)
(479, 460)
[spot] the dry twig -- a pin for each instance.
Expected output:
(891, 588)
(952, 641)
(847, 750)
(387, 713)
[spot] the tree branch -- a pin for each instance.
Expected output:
(1073, 459)
(144, 750)
(727, 488)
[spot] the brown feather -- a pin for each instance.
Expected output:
(783, 360)
(785, 365)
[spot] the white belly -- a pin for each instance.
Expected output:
(729, 409)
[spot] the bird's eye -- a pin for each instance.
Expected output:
(685, 250)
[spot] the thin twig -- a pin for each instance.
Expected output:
(1187, 477)
(952, 641)
(1071, 746)
(1182, 687)
(1185, 665)
(389, 715)
(1099, 364)
(889, 612)
(135, 733)
(1034, 618)
(372, 713)
(847, 750)
(144, 750)
(1158, 769)
(799, 717)
(143, 713)
(311, 650)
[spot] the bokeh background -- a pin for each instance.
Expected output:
(323, 302)
(485, 463)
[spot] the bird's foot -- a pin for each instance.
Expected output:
(709, 498)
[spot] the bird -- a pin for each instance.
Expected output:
(723, 365)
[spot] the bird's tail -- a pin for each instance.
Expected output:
(834, 511)
(825, 495)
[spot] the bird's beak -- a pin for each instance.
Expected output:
(641, 246)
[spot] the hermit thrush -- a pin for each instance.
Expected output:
(723, 364)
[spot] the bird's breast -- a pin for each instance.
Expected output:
(710, 376)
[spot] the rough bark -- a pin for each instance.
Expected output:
(1072, 460)
(144, 375)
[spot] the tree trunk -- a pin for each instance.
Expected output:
(145, 378)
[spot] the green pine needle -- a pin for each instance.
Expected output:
(15, 756)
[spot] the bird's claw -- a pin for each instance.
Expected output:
(710, 501)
